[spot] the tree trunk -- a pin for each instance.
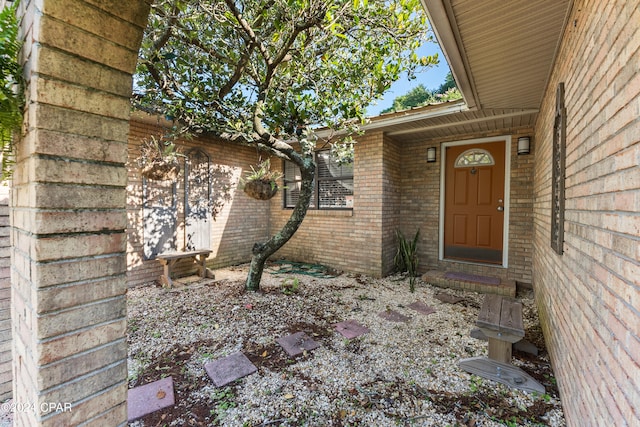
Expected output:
(262, 251)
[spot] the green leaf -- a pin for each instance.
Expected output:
(339, 57)
(11, 87)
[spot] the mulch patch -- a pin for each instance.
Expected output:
(486, 401)
(271, 356)
(314, 330)
(172, 363)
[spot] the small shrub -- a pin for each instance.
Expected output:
(290, 286)
(224, 399)
(406, 259)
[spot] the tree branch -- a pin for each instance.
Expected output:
(237, 74)
(248, 30)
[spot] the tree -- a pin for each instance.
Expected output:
(416, 97)
(11, 87)
(264, 72)
(449, 83)
(419, 96)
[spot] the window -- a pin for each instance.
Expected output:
(333, 187)
(474, 157)
(558, 173)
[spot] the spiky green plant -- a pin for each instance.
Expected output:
(262, 173)
(406, 259)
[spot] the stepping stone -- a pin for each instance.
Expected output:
(526, 347)
(393, 316)
(422, 308)
(298, 343)
(228, 369)
(451, 299)
(351, 329)
(149, 398)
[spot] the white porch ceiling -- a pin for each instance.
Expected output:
(501, 52)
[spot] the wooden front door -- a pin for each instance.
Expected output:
(474, 202)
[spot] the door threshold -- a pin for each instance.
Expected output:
(483, 264)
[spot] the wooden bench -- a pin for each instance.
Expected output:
(500, 320)
(169, 259)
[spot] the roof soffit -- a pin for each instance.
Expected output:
(500, 52)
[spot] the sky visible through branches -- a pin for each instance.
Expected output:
(432, 78)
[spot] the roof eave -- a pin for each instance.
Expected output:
(439, 16)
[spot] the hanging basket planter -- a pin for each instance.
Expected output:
(261, 189)
(260, 183)
(159, 159)
(161, 170)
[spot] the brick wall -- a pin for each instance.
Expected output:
(396, 189)
(5, 297)
(68, 211)
(392, 168)
(240, 221)
(420, 201)
(521, 210)
(589, 297)
(370, 171)
(344, 239)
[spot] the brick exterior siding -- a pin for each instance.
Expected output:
(343, 239)
(392, 192)
(5, 297)
(589, 297)
(240, 221)
(396, 189)
(68, 211)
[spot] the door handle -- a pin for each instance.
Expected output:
(500, 208)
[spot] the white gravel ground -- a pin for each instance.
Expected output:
(397, 374)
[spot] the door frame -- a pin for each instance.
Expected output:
(507, 196)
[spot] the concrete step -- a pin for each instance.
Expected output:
(470, 282)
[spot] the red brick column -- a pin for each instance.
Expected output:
(68, 212)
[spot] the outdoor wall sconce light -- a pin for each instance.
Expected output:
(523, 145)
(431, 154)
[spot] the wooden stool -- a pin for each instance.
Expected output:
(500, 320)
